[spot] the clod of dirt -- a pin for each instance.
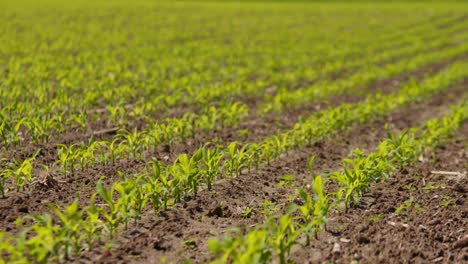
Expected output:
(23, 210)
(135, 232)
(167, 148)
(363, 240)
(159, 244)
(434, 222)
(45, 181)
(362, 228)
(461, 243)
(458, 187)
(18, 200)
(220, 212)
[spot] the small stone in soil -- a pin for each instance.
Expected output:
(336, 248)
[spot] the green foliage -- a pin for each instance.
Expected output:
(276, 238)
(79, 74)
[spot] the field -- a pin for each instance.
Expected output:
(233, 132)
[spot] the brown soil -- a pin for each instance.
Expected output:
(62, 191)
(433, 229)
(182, 232)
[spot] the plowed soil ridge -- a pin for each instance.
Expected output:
(182, 233)
(61, 191)
(432, 229)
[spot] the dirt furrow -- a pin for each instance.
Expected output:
(182, 233)
(418, 216)
(61, 190)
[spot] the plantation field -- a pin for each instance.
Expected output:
(233, 132)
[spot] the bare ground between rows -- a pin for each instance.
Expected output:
(254, 123)
(103, 128)
(61, 191)
(433, 229)
(182, 232)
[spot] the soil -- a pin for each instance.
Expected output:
(59, 190)
(432, 229)
(181, 233)
(49, 188)
(212, 213)
(419, 215)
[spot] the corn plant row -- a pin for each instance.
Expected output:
(135, 144)
(425, 44)
(232, 160)
(275, 239)
(42, 126)
(293, 99)
(19, 171)
(50, 118)
(361, 40)
(78, 229)
(125, 91)
(47, 119)
(390, 50)
(126, 144)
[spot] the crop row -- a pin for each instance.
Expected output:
(124, 91)
(60, 109)
(117, 73)
(386, 51)
(43, 125)
(76, 229)
(133, 144)
(275, 239)
(297, 98)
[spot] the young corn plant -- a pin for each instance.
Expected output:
(92, 227)
(42, 244)
(134, 141)
(314, 209)
(70, 231)
(117, 114)
(156, 186)
(114, 151)
(81, 120)
(21, 171)
(233, 114)
(238, 249)
(7, 247)
(211, 159)
(67, 158)
(277, 145)
(208, 121)
(112, 213)
(139, 199)
(253, 156)
(9, 133)
(358, 174)
(40, 128)
(125, 189)
(283, 235)
(402, 149)
(237, 160)
(186, 170)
